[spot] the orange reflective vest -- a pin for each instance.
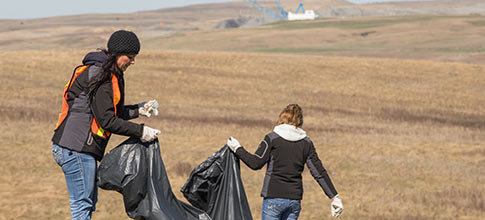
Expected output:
(95, 127)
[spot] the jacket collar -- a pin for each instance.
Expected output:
(289, 132)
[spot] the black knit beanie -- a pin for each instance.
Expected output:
(123, 42)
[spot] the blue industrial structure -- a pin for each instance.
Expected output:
(302, 8)
(283, 14)
(268, 12)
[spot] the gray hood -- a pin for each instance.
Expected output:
(96, 58)
(289, 132)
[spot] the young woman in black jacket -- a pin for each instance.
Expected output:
(286, 150)
(93, 108)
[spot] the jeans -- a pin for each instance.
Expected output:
(280, 209)
(80, 172)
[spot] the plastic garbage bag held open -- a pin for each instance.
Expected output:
(216, 187)
(136, 170)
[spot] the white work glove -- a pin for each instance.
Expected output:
(337, 206)
(149, 134)
(233, 144)
(147, 108)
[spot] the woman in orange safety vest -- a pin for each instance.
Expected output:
(93, 108)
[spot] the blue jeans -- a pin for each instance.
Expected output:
(80, 172)
(280, 209)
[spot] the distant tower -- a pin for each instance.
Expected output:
(281, 15)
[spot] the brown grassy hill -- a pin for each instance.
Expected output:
(401, 139)
(437, 37)
(444, 38)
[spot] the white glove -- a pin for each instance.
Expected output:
(337, 206)
(147, 108)
(233, 144)
(149, 134)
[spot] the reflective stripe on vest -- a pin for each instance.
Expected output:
(95, 128)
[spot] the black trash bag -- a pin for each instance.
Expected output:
(136, 170)
(124, 169)
(216, 187)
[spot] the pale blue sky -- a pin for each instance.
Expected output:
(24, 9)
(20, 9)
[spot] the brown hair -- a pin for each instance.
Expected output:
(292, 115)
(109, 66)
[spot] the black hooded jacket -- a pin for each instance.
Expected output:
(285, 151)
(75, 130)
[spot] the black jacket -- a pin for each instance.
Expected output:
(285, 151)
(75, 130)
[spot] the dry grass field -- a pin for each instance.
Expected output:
(454, 38)
(401, 139)
(431, 37)
(436, 33)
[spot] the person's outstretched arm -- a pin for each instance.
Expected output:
(254, 161)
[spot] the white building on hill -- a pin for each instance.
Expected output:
(307, 15)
